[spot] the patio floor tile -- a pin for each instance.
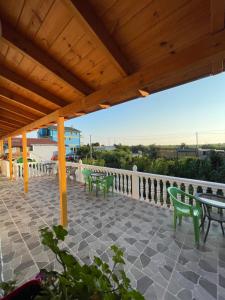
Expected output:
(161, 263)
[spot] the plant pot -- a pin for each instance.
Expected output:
(26, 291)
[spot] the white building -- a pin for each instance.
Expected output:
(38, 149)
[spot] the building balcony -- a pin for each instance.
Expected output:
(161, 263)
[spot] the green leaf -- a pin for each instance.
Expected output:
(68, 259)
(60, 232)
(98, 261)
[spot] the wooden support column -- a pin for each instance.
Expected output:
(62, 172)
(25, 164)
(1, 147)
(10, 157)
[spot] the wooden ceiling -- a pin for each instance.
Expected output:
(70, 57)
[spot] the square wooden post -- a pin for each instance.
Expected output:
(10, 157)
(25, 164)
(1, 147)
(62, 172)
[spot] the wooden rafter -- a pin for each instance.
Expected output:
(85, 13)
(217, 9)
(28, 47)
(200, 54)
(7, 106)
(12, 116)
(23, 82)
(10, 121)
(11, 124)
(7, 127)
(40, 109)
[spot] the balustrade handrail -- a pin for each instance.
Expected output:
(128, 172)
(182, 179)
(142, 186)
(195, 182)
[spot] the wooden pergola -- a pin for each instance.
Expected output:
(60, 59)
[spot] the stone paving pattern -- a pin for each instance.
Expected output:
(161, 263)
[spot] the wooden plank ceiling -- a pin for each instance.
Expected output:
(70, 57)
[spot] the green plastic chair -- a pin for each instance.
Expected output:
(87, 178)
(106, 183)
(182, 209)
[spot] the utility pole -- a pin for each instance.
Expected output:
(90, 147)
(196, 136)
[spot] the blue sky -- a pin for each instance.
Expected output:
(169, 117)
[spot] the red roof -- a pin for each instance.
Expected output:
(17, 142)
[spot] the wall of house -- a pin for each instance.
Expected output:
(43, 152)
(72, 138)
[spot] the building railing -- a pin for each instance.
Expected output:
(150, 187)
(35, 169)
(146, 187)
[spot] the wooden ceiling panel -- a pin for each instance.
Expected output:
(59, 88)
(13, 116)
(8, 123)
(115, 47)
(141, 15)
(89, 61)
(67, 39)
(18, 79)
(172, 34)
(89, 20)
(47, 80)
(24, 103)
(101, 74)
(77, 53)
(33, 15)
(11, 9)
(40, 57)
(3, 126)
(57, 19)
(25, 93)
(9, 105)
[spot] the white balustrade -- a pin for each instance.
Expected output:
(147, 187)
(150, 187)
(35, 169)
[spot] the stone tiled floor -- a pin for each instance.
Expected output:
(160, 263)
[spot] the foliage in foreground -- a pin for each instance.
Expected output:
(95, 282)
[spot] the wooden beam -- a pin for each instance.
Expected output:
(28, 85)
(12, 116)
(25, 163)
(62, 172)
(196, 56)
(21, 112)
(6, 127)
(217, 9)
(10, 157)
(27, 103)
(11, 122)
(17, 39)
(85, 13)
